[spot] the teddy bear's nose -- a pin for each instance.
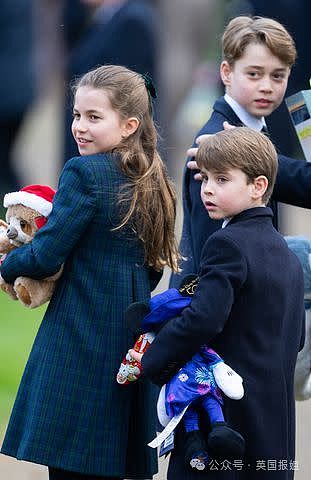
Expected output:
(12, 233)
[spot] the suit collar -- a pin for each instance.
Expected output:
(252, 213)
(245, 117)
(222, 107)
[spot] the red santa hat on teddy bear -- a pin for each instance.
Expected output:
(37, 197)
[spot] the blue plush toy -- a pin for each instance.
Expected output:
(301, 246)
(198, 383)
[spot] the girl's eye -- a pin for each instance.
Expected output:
(94, 117)
(76, 115)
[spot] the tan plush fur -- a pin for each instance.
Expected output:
(20, 229)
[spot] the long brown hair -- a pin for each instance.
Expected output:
(149, 193)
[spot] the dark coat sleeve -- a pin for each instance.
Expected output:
(73, 207)
(293, 183)
(223, 272)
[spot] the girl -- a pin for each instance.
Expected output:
(112, 225)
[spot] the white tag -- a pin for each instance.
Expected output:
(167, 430)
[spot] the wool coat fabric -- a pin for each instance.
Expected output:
(70, 413)
(249, 307)
(293, 186)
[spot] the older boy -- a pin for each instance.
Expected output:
(248, 306)
(258, 54)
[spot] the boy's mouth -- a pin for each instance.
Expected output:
(263, 102)
(210, 205)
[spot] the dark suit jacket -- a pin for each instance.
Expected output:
(293, 186)
(70, 413)
(16, 58)
(249, 307)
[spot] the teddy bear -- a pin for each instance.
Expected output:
(301, 246)
(27, 211)
(198, 384)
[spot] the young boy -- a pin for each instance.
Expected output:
(248, 306)
(258, 54)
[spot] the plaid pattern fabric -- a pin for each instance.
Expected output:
(70, 413)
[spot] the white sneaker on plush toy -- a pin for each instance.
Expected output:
(228, 381)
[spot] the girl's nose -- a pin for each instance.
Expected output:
(80, 125)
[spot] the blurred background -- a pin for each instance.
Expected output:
(45, 44)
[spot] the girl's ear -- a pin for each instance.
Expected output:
(130, 126)
(260, 185)
(225, 73)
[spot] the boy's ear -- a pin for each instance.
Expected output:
(260, 185)
(225, 71)
(130, 126)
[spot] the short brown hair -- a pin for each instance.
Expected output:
(242, 148)
(243, 30)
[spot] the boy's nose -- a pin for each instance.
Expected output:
(266, 85)
(208, 188)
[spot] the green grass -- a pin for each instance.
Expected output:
(18, 327)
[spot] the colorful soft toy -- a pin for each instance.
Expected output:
(27, 211)
(198, 383)
(301, 246)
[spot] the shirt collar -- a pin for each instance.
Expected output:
(226, 221)
(246, 118)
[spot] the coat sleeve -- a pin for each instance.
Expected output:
(223, 272)
(74, 206)
(293, 182)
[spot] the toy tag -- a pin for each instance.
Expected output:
(167, 444)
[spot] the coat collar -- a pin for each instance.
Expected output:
(252, 213)
(222, 107)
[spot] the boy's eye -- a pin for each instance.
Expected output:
(279, 76)
(221, 179)
(253, 74)
(204, 177)
(94, 117)
(76, 115)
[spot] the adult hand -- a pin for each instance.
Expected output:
(191, 152)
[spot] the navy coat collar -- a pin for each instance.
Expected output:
(222, 107)
(252, 213)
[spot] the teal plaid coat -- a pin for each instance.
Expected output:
(70, 413)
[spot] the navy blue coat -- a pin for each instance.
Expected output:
(16, 57)
(293, 186)
(249, 307)
(70, 413)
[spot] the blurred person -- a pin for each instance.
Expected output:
(116, 32)
(18, 85)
